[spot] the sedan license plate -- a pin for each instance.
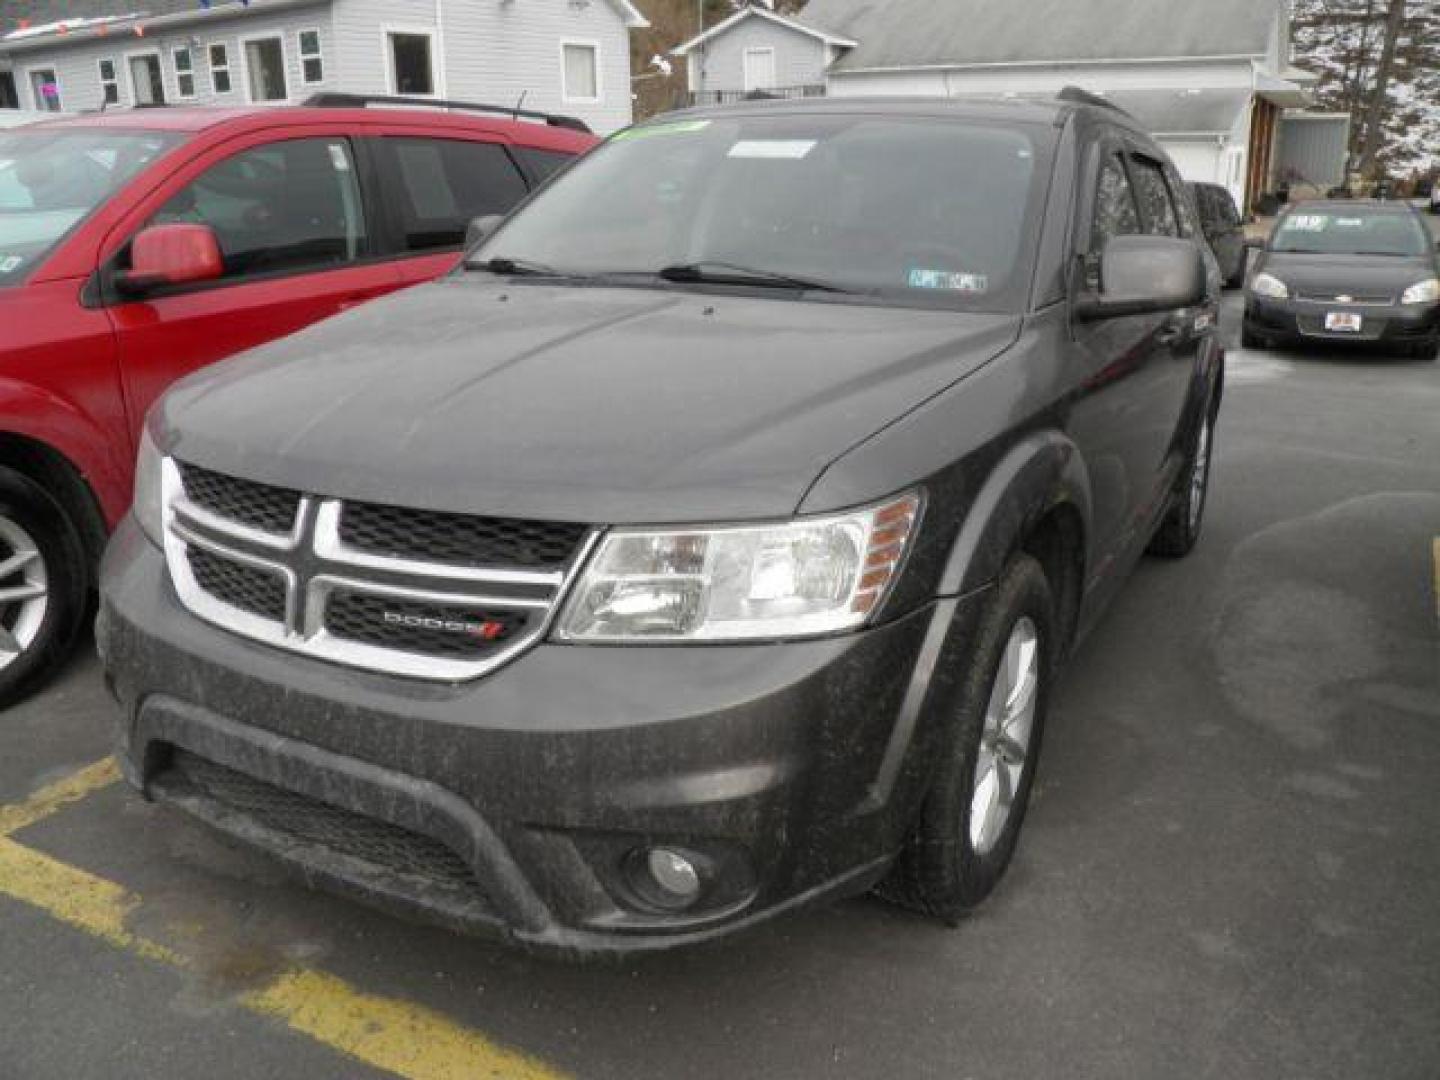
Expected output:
(1345, 322)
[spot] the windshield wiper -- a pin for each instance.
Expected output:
(710, 272)
(503, 264)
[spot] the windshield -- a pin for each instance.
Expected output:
(1351, 232)
(50, 180)
(932, 212)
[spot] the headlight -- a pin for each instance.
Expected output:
(1269, 285)
(802, 578)
(1423, 292)
(148, 508)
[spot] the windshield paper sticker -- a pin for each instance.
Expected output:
(942, 279)
(680, 127)
(1307, 223)
(10, 262)
(772, 149)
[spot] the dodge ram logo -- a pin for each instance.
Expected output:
(489, 630)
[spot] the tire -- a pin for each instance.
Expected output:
(1179, 529)
(953, 859)
(45, 580)
(1424, 350)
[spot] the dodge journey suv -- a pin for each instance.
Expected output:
(703, 547)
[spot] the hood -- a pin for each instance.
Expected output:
(1353, 275)
(602, 405)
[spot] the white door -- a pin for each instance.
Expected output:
(759, 69)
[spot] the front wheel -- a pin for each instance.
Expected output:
(44, 586)
(970, 821)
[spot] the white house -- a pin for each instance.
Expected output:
(1208, 77)
(563, 56)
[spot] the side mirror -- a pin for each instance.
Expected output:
(1144, 274)
(173, 254)
(481, 229)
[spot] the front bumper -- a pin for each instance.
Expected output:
(515, 804)
(1304, 320)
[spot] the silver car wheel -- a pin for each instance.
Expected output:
(24, 591)
(1005, 737)
(1199, 474)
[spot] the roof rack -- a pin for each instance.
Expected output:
(360, 101)
(1076, 95)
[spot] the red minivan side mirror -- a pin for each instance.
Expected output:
(174, 254)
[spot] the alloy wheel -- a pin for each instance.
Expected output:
(1199, 474)
(1006, 736)
(24, 591)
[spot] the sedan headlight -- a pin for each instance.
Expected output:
(1422, 292)
(148, 507)
(1269, 285)
(741, 583)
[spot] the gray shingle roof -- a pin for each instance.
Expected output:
(39, 12)
(916, 33)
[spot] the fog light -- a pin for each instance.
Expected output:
(673, 874)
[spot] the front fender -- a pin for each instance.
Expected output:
(1041, 471)
(45, 417)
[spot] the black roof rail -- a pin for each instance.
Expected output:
(1076, 95)
(360, 101)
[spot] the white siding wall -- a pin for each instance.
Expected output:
(77, 65)
(1198, 162)
(799, 58)
(493, 51)
(1046, 79)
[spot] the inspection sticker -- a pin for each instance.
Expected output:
(679, 127)
(943, 279)
(772, 149)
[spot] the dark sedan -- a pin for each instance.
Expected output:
(1347, 272)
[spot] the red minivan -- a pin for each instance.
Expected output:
(138, 246)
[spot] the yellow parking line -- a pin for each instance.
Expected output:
(1435, 555)
(407, 1040)
(53, 797)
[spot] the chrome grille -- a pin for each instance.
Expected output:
(459, 539)
(257, 506)
(245, 587)
(1352, 300)
(456, 631)
(301, 585)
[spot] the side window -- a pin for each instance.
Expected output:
(1157, 209)
(542, 164)
(1115, 213)
(1186, 204)
(283, 208)
(438, 185)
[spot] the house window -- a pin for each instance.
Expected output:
(581, 72)
(759, 70)
(9, 99)
(265, 69)
(45, 88)
(411, 63)
(109, 82)
(220, 69)
(147, 87)
(312, 64)
(184, 72)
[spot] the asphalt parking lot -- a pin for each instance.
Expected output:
(1232, 868)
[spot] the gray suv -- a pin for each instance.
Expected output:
(705, 546)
